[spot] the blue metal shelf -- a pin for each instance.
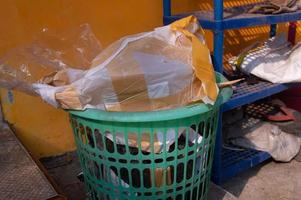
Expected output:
(236, 161)
(245, 94)
(228, 163)
(235, 17)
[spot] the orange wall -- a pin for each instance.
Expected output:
(43, 129)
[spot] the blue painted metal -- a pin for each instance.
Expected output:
(218, 10)
(167, 7)
(218, 50)
(245, 94)
(206, 19)
(234, 162)
(273, 30)
(166, 11)
(218, 64)
(228, 163)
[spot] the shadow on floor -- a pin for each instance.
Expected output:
(218, 193)
(237, 184)
(64, 170)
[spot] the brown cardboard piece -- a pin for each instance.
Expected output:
(59, 78)
(69, 99)
(159, 173)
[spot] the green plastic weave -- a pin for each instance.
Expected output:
(113, 169)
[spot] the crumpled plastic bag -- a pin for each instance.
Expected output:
(267, 137)
(193, 137)
(50, 52)
(165, 68)
(274, 60)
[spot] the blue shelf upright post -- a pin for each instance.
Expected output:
(218, 64)
(167, 7)
(273, 30)
(166, 10)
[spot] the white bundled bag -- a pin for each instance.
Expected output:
(275, 60)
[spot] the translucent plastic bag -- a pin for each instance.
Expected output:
(266, 137)
(165, 68)
(49, 53)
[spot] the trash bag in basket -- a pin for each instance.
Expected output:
(166, 68)
(116, 177)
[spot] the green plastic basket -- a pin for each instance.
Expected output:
(148, 155)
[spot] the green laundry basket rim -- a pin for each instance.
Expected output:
(160, 115)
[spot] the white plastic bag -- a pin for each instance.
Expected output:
(171, 134)
(275, 61)
(266, 137)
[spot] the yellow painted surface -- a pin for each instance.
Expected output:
(43, 129)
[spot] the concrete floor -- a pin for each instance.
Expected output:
(269, 181)
(64, 169)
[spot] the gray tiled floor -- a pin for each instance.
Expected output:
(20, 177)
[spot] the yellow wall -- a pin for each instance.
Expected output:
(45, 130)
